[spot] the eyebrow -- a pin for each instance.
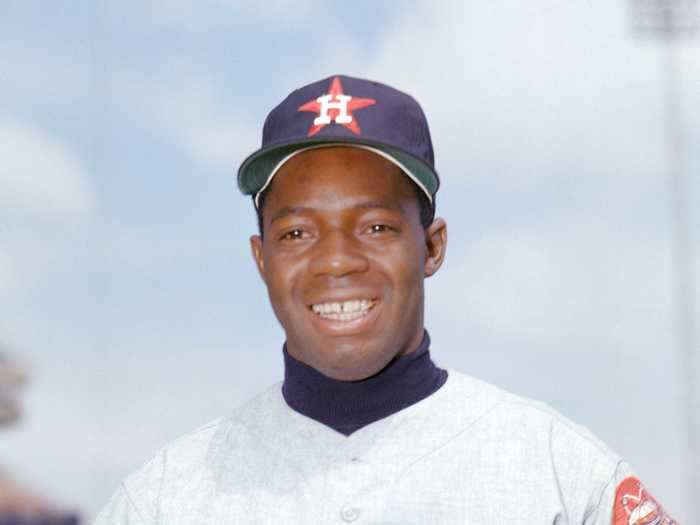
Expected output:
(366, 205)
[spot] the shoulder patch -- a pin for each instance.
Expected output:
(635, 506)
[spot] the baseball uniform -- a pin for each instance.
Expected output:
(468, 454)
(410, 444)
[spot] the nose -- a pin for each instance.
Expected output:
(338, 254)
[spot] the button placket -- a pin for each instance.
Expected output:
(350, 481)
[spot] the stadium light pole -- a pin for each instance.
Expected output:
(12, 376)
(669, 21)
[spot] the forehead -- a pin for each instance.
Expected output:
(338, 175)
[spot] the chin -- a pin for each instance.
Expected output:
(347, 373)
(348, 361)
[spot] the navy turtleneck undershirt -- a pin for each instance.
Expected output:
(347, 406)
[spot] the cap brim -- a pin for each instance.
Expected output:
(256, 172)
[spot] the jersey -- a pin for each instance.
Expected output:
(470, 453)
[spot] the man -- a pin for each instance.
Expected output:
(365, 427)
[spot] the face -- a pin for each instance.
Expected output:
(344, 257)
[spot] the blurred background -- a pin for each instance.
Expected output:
(566, 136)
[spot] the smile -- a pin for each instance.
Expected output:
(345, 310)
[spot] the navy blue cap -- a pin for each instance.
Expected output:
(342, 110)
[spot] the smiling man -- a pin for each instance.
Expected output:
(365, 427)
(344, 254)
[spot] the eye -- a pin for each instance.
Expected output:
(379, 228)
(293, 235)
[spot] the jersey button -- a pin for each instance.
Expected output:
(349, 513)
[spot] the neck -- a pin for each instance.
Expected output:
(347, 406)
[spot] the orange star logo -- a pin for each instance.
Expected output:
(336, 106)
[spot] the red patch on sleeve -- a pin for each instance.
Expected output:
(635, 506)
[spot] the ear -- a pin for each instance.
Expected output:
(257, 250)
(436, 244)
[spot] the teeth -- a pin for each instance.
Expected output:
(345, 311)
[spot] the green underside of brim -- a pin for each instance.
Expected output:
(254, 172)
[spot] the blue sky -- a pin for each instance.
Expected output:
(125, 275)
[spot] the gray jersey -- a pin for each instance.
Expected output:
(468, 454)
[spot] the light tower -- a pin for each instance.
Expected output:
(669, 22)
(12, 377)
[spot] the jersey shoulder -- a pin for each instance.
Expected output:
(535, 438)
(529, 417)
(573, 455)
(194, 454)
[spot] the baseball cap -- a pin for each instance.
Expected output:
(346, 111)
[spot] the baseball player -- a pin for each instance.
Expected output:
(365, 427)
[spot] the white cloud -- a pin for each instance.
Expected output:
(548, 288)
(19, 265)
(43, 184)
(40, 175)
(182, 105)
(528, 90)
